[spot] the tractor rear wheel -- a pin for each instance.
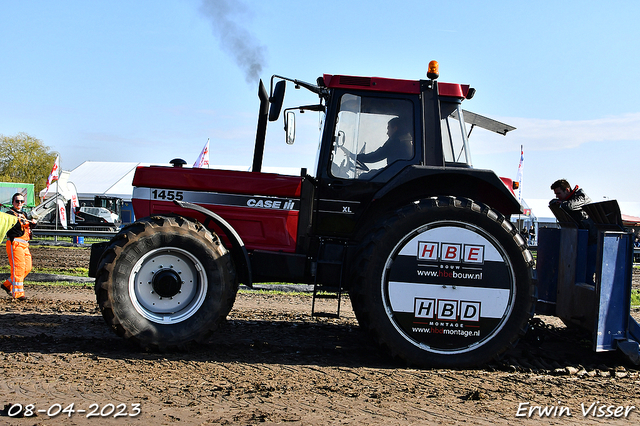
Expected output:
(164, 282)
(444, 282)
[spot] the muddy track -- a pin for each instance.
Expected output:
(270, 363)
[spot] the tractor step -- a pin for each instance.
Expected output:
(326, 296)
(330, 260)
(326, 315)
(327, 292)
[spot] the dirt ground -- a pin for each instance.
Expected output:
(272, 364)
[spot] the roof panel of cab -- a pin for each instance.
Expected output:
(379, 84)
(453, 90)
(371, 83)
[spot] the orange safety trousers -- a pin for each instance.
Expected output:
(20, 261)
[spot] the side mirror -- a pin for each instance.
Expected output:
(276, 100)
(290, 127)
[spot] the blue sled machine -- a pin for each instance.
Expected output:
(587, 283)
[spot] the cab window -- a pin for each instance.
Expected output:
(454, 135)
(371, 134)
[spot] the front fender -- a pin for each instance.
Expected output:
(238, 251)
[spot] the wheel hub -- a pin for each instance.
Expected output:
(166, 283)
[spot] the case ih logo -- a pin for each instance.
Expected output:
(450, 252)
(446, 309)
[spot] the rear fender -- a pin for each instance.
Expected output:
(421, 182)
(238, 250)
(417, 182)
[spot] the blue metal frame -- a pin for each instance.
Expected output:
(567, 289)
(614, 290)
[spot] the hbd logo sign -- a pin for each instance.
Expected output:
(446, 309)
(450, 252)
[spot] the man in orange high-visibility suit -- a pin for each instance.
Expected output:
(18, 249)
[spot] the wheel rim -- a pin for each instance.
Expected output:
(168, 285)
(448, 287)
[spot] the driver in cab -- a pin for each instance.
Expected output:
(399, 145)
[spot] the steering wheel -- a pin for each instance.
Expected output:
(353, 158)
(361, 165)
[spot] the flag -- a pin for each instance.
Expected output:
(74, 202)
(520, 172)
(62, 213)
(55, 173)
(203, 158)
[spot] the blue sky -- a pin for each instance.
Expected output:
(148, 81)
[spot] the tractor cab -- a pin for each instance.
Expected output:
(387, 141)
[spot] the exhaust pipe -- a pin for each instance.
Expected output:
(261, 132)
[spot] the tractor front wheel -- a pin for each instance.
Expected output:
(164, 282)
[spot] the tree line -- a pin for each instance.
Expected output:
(25, 159)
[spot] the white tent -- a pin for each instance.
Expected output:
(111, 179)
(93, 178)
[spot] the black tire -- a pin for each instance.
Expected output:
(444, 282)
(164, 282)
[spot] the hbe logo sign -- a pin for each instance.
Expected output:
(446, 309)
(450, 252)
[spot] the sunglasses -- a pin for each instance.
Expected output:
(18, 201)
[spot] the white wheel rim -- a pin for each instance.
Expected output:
(176, 307)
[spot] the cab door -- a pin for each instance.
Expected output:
(371, 139)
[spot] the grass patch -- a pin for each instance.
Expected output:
(75, 272)
(273, 292)
(52, 247)
(240, 291)
(60, 239)
(57, 283)
(635, 298)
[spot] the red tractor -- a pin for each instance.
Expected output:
(395, 214)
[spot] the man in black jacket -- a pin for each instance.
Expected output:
(571, 201)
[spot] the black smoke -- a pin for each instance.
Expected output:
(235, 40)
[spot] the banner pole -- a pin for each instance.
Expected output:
(55, 238)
